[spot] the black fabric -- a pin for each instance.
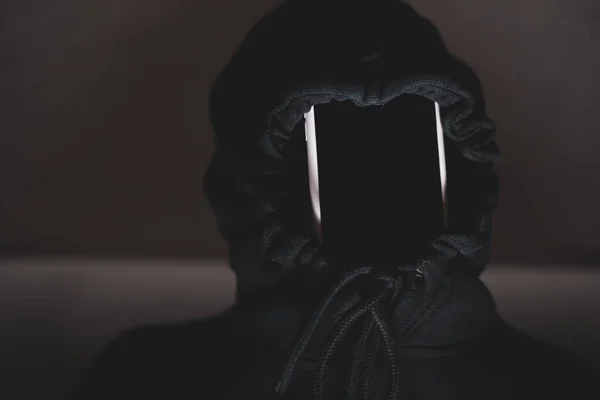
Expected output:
(257, 180)
(296, 58)
(302, 327)
(211, 359)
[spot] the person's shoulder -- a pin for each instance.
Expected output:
(135, 346)
(153, 358)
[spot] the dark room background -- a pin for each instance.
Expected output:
(104, 137)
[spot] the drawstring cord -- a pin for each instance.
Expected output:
(375, 332)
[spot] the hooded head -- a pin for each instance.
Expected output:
(310, 52)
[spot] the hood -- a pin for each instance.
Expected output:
(305, 53)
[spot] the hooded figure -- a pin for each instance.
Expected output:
(302, 326)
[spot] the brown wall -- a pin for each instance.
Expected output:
(104, 131)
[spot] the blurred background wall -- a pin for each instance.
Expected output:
(104, 137)
(104, 132)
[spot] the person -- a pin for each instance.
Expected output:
(303, 327)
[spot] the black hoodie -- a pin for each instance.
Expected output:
(440, 339)
(312, 52)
